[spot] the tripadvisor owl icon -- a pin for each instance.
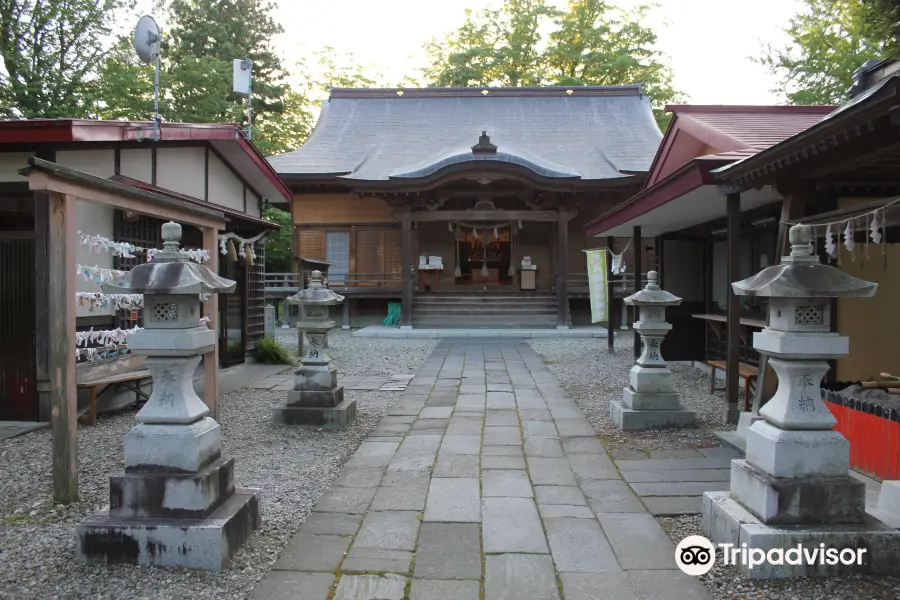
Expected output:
(695, 555)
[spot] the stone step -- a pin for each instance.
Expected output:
(485, 322)
(474, 310)
(496, 300)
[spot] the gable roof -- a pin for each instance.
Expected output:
(226, 138)
(729, 132)
(551, 133)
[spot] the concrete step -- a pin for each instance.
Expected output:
(483, 321)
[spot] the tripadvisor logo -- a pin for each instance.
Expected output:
(696, 555)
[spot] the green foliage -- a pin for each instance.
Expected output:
(270, 352)
(50, 50)
(829, 40)
(882, 22)
(589, 43)
(278, 243)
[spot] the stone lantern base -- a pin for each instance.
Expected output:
(316, 401)
(650, 402)
(725, 521)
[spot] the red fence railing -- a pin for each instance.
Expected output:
(873, 431)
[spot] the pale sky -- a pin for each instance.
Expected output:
(708, 41)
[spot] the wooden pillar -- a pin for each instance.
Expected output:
(562, 270)
(211, 310)
(61, 245)
(732, 408)
(636, 244)
(407, 279)
(610, 297)
(42, 333)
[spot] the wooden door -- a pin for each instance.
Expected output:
(17, 327)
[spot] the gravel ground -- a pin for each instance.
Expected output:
(592, 376)
(727, 583)
(292, 466)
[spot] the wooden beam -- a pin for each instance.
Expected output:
(732, 409)
(637, 246)
(406, 275)
(610, 298)
(39, 181)
(211, 310)
(562, 285)
(42, 333)
(487, 216)
(61, 246)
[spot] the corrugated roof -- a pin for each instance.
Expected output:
(588, 133)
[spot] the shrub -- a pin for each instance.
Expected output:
(269, 351)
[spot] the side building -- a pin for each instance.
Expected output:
(208, 165)
(435, 197)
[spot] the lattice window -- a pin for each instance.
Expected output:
(145, 232)
(653, 313)
(255, 297)
(337, 252)
(808, 315)
(165, 311)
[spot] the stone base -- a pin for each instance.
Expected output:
(206, 544)
(745, 421)
(317, 417)
(315, 378)
(317, 398)
(171, 496)
(790, 453)
(179, 448)
(650, 401)
(888, 507)
(727, 522)
(628, 419)
(800, 501)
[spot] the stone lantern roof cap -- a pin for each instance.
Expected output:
(169, 273)
(801, 275)
(652, 295)
(316, 293)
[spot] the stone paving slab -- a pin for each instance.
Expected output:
(485, 480)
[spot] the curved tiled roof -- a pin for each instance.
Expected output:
(586, 133)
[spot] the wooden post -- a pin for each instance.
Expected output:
(407, 279)
(61, 246)
(638, 276)
(610, 298)
(42, 333)
(562, 271)
(732, 409)
(211, 310)
(791, 208)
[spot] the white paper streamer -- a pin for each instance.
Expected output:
(99, 243)
(830, 245)
(104, 337)
(106, 301)
(875, 229)
(848, 236)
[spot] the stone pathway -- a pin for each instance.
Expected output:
(672, 482)
(484, 476)
(285, 382)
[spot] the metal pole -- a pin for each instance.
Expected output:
(250, 102)
(156, 133)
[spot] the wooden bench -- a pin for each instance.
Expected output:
(130, 381)
(746, 372)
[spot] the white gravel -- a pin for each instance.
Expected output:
(727, 583)
(292, 466)
(593, 377)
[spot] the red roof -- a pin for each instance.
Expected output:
(706, 130)
(702, 138)
(57, 131)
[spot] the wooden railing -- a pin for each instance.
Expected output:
(622, 283)
(285, 284)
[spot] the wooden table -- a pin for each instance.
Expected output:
(437, 276)
(130, 380)
(723, 319)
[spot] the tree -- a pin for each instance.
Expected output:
(50, 50)
(278, 243)
(830, 39)
(882, 22)
(590, 43)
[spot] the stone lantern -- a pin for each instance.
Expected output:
(316, 400)
(650, 400)
(176, 503)
(794, 486)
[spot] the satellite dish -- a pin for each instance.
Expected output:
(146, 39)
